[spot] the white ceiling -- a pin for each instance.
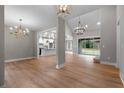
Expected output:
(42, 17)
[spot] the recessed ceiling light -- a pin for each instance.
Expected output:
(98, 23)
(11, 28)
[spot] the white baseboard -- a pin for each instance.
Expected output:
(69, 52)
(19, 59)
(109, 63)
(59, 66)
(122, 77)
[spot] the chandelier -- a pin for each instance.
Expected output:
(63, 10)
(80, 29)
(19, 31)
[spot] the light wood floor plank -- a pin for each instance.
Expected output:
(79, 71)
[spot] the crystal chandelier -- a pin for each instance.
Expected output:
(63, 10)
(80, 29)
(19, 31)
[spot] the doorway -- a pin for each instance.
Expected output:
(46, 44)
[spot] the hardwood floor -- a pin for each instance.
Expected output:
(79, 71)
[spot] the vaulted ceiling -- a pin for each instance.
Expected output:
(42, 17)
(90, 19)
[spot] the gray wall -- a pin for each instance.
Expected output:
(1, 45)
(18, 47)
(35, 44)
(118, 35)
(120, 40)
(108, 34)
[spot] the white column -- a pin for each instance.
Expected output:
(1, 45)
(60, 42)
(75, 45)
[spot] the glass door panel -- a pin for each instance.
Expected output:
(89, 46)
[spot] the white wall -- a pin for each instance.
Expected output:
(1, 45)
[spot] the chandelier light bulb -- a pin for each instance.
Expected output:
(86, 26)
(98, 23)
(11, 28)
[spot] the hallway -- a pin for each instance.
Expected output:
(79, 71)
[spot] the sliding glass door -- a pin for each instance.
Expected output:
(89, 46)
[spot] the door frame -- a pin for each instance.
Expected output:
(82, 38)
